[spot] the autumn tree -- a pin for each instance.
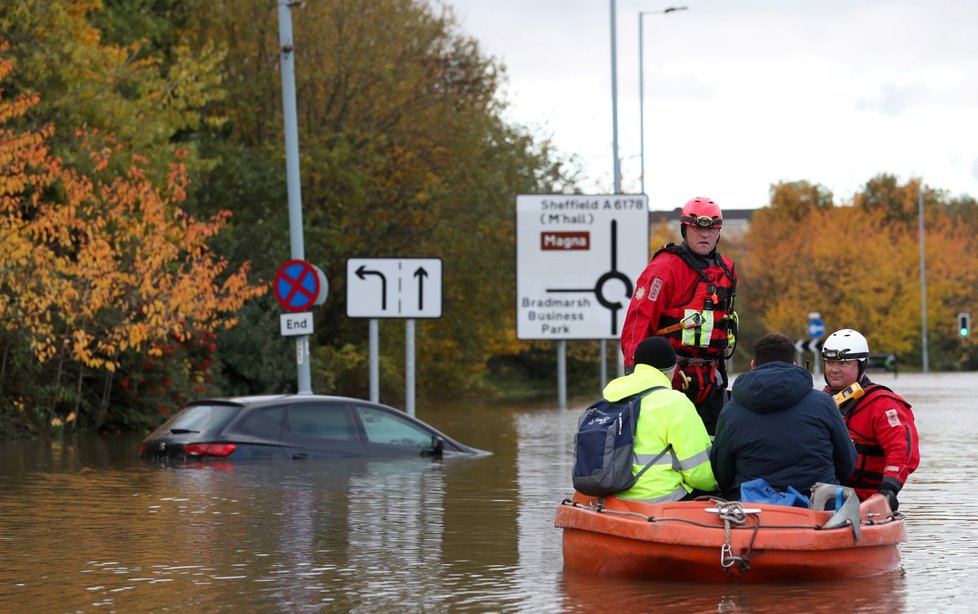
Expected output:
(116, 79)
(97, 267)
(858, 265)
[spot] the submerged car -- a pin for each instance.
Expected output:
(295, 426)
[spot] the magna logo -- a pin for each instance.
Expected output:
(554, 241)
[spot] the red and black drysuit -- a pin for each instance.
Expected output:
(689, 300)
(882, 427)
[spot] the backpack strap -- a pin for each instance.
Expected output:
(634, 407)
(653, 461)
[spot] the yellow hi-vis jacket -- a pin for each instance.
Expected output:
(667, 417)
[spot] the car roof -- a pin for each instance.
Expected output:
(267, 399)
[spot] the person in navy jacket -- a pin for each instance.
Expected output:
(779, 428)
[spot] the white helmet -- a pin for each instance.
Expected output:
(845, 344)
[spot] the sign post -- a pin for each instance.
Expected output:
(816, 329)
(403, 288)
(298, 287)
(577, 259)
(291, 129)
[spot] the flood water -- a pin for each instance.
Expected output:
(85, 527)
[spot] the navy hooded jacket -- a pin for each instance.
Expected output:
(779, 428)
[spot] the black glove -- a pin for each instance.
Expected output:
(889, 488)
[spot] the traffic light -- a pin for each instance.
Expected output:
(964, 324)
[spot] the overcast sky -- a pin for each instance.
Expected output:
(741, 94)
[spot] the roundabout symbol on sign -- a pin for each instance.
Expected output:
(298, 286)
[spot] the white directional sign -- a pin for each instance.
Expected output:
(408, 288)
(577, 260)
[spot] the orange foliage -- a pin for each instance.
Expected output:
(93, 264)
(858, 266)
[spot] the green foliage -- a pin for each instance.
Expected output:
(404, 153)
(113, 80)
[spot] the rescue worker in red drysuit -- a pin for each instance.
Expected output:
(686, 294)
(880, 422)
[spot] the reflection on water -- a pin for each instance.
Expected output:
(86, 527)
(884, 593)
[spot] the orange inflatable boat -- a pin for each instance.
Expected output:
(716, 540)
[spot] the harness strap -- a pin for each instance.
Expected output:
(869, 450)
(696, 362)
(669, 329)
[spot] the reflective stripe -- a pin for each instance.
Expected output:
(679, 465)
(695, 461)
(675, 495)
(701, 334)
(645, 459)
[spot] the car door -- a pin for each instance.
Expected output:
(258, 433)
(390, 433)
(321, 430)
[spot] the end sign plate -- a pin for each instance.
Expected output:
(294, 324)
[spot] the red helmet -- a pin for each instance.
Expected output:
(701, 212)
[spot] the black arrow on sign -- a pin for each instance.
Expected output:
(421, 274)
(812, 345)
(363, 271)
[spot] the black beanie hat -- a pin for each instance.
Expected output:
(655, 352)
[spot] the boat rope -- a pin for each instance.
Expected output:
(598, 507)
(733, 512)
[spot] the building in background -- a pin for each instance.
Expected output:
(735, 221)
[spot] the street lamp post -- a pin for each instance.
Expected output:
(616, 160)
(641, 81)
(923, 280)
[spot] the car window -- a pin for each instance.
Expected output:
(385, 427)
(200, 418)
(265, 423)
(322, 421)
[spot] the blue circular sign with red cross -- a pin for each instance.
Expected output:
(297, 285)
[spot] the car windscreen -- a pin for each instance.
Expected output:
(200, 419)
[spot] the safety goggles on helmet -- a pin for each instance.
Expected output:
(701, 221)
(843, 355)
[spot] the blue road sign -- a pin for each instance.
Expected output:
(816, 328)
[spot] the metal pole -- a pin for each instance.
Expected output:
(562, 373)
(409, 365)
(292, 171)
(923, 281)
(603, 350)
(641, 82)
(641, 99)
(614, 100)
(614, 135)
(374, 343)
